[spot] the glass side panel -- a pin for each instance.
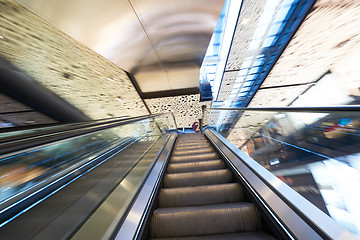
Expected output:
(102, 223)
(120, 155)
(317, 154)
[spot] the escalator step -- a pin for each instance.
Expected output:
(193, 151)
(190, 139)
(192, 146)
(193, 179)
(195, 166)
(191, 135)
(231, 236)
(207, 219)
(194, 143)
(194, 157)
(179, 141)
(187, 137)
(201, 195)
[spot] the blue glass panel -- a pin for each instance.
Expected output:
(250, 77)
(275, 28)
(254, 70)
(268, 41)
(245, 89)
(249, 83)
(258, 61)
(282, 13)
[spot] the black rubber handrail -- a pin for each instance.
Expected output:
(347, 108)
(20, 142)
(36, 130)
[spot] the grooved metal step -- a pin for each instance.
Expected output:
(230, 236)
(191, 139)
(192, 146)
(194, 157)
(194, 143)
(201, 195)
(197, 178)
(193, 151)
(195, 166)
(187, 138)
(205, 220)
(199, 200)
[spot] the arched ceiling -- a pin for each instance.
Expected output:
(161, 42)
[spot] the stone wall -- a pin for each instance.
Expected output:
(82, 77)
(186, 108)
(329, 33)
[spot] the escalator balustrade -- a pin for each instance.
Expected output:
(200, 200)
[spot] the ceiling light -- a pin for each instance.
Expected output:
(245, 21)
(110, 79)
(1, 37)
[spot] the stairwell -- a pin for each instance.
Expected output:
(200, 200)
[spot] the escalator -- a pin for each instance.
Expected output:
(53, 179)
(137, 178)
(206, 188)
(200, 199)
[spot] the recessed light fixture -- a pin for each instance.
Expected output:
(110, 79)
(245, 21)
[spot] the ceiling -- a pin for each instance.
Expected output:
(161, 42)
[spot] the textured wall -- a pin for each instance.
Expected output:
(329, 32)
(251, 12)
(186, 108)
(77, 74)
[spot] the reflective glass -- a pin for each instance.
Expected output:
(275, 28)
(317, 154)
(246, 84)
(250, 77)
(268, 42)
(122, 154)
(282, 13)
(254, 70)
